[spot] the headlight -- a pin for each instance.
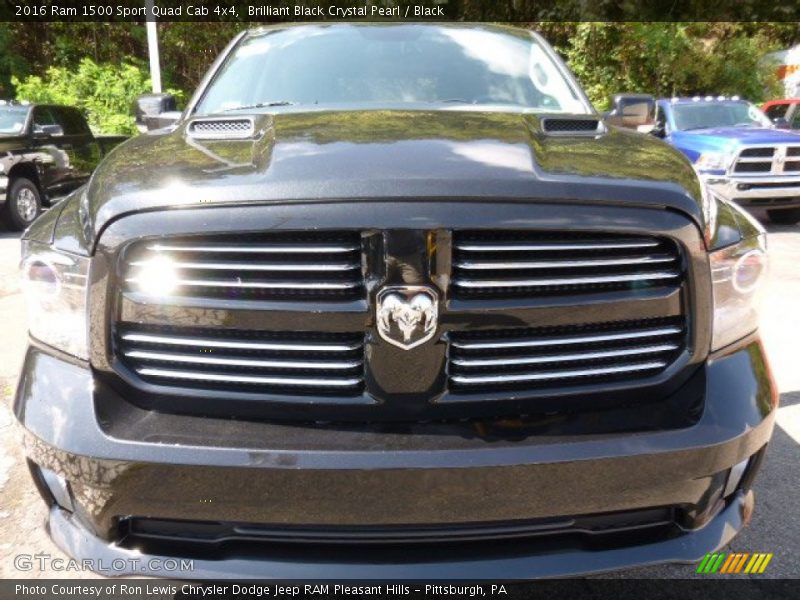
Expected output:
(55, 286)
(712, 161)
(738, 273)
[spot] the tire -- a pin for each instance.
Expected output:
(23, 204)
(787, 216)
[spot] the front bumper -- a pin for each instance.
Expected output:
(691, 547)
(122, 461)
(769, 191)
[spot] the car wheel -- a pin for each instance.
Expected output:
(787, 216)
(23, 204)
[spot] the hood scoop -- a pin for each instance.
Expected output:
(221, 128)
(573, 125)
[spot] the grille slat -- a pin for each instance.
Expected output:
(579, 280)
(507, 264)
(560, 263)
(593, 245)
(551, 358)
(235, 283)
(260, 362)
(548, 357)
(559, 341)
(249, 379)
(558, 375)
(240, 344)
(271, 266)
(238, 362)
(256, 248)
(227, 266)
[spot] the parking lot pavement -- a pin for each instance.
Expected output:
(775, 527)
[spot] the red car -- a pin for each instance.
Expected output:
(784, 113)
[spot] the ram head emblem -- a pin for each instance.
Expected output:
(407, 315)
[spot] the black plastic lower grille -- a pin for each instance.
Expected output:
(210, 535)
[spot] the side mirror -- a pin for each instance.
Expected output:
(632, 111)
(47, 131)
(781, 123)
(659, 131)
(153, 111)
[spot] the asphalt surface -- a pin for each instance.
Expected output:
(775, 527)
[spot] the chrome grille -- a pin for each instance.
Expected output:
(262, 362)
(767, 159)
(281, 266)
(563, 356)
(523, 263)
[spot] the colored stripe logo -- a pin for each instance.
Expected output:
(735, 562)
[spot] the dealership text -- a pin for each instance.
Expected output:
(199, 590)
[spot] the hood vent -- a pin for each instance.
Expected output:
(573, 125)
(230, 128)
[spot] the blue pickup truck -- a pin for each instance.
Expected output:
(737, 150)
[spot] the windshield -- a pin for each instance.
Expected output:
(702, 115)
(380, 65)
(12, 119)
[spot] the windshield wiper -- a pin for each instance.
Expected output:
(260, 105)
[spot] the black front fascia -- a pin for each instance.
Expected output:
(404, 243)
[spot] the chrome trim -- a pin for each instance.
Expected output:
(546, 375)
(258, 266)
(217, 377)
(584, 339)
(240, 362)
(555, 264)
(727, 187)
(263, 285)
(549, 358)
(260, 248)
(236, 344)
(755, 159)
(477, 283)
(777, 161)
(537, 246)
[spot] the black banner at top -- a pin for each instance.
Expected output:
(401, 10)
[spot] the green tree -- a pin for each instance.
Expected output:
(670, 59)
(105, 92)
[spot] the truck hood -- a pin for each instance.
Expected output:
(327, 155)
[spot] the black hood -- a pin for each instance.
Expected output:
(327, 155)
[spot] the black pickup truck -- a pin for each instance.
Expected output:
(393, 301)
(46, 151)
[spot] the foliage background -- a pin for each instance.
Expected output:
(102, 67)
